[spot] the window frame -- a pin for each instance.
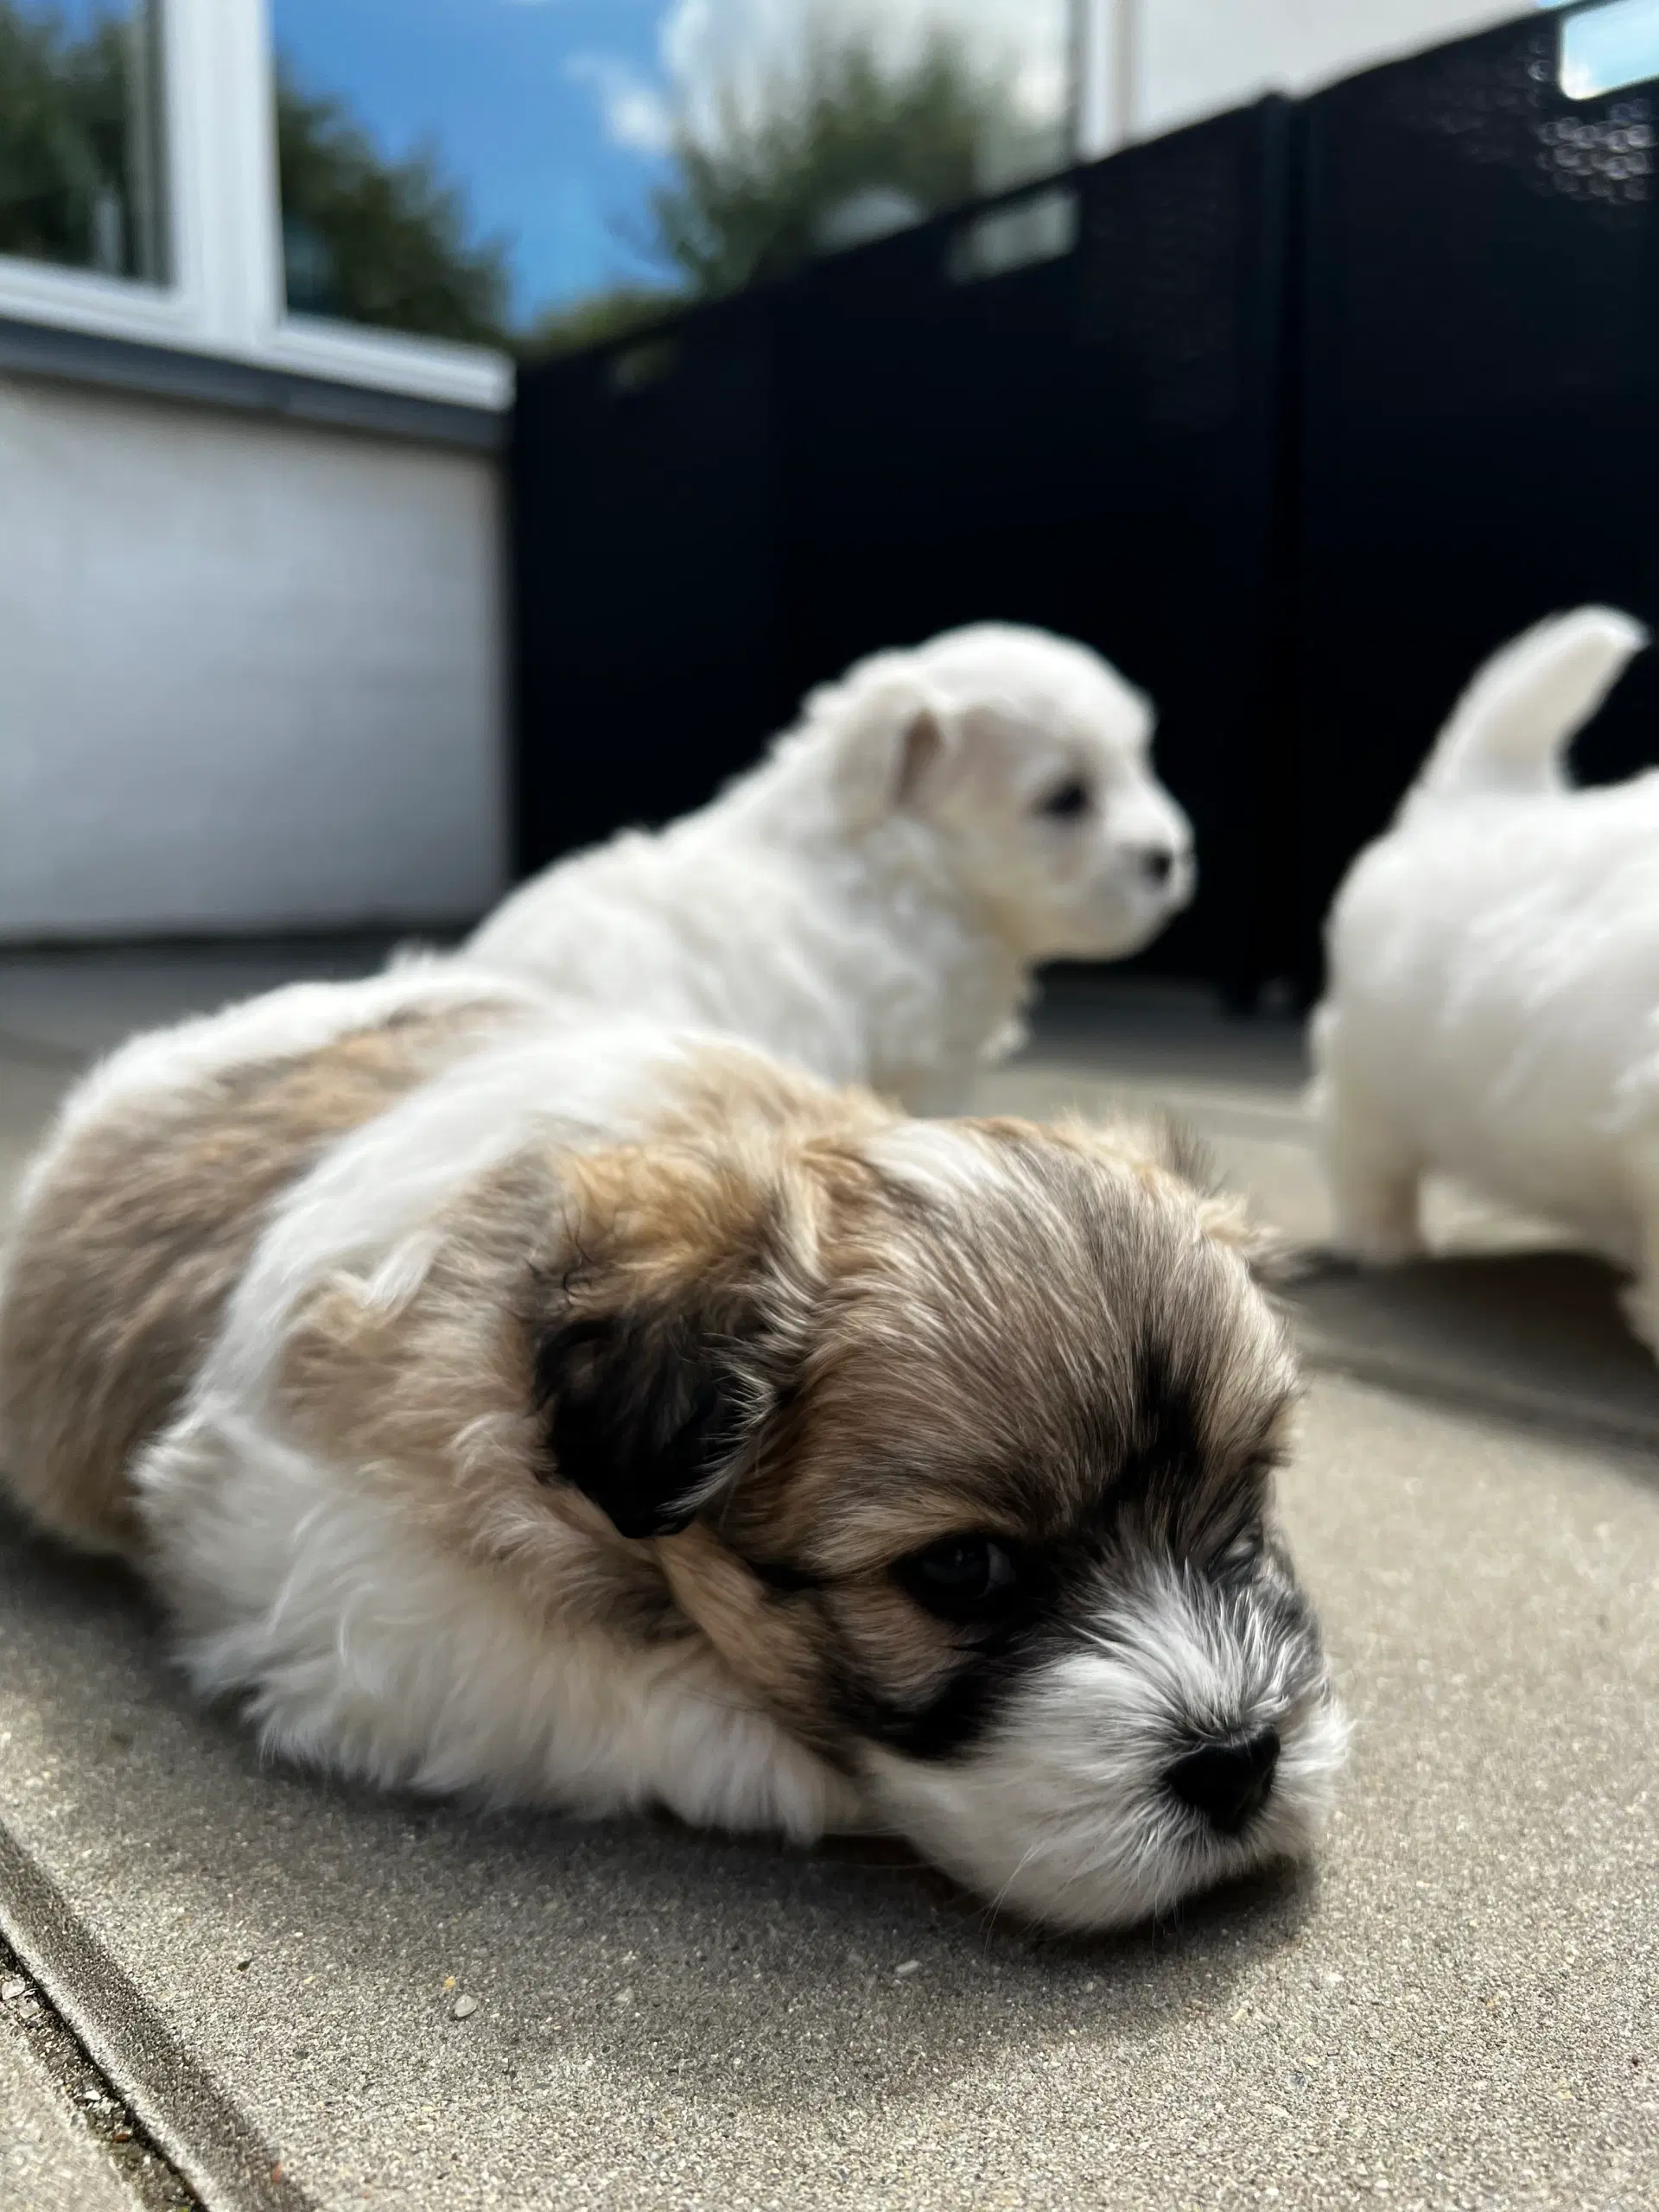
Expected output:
(223, 216)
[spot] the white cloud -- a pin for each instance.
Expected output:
(713, 49)
(636, 114)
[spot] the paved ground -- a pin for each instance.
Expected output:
(1457, 2008)
(47, 2154)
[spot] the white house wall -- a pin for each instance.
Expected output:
(1200, 55)
(1186, 59)
(251, 674)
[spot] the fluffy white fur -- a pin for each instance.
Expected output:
(355, 1645)
(872, 899)
(1493, 1004)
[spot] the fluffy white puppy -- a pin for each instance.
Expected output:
(1493, 1004)
(871, 899)
(601, 1416)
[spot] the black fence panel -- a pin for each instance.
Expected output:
(1481, 440)
(645, 579)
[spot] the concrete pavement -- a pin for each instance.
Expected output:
(48, 2153)
(1456, 2008)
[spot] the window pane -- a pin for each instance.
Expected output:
(81, 135)
(526, 172)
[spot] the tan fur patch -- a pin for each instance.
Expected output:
(777, 1649)
(118, 1275)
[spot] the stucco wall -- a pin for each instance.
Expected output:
(1198, 55)
(1191, 58)
(250, 673)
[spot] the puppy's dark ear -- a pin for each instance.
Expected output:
(643, 1414)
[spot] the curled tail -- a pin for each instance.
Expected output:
(1524, 706)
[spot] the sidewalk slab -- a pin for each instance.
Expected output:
(1144, 1028)
(1455, 2008)
(48, 2161)
(74, 1003)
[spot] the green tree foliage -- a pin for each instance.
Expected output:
(66, 156)
(377, 241)
(782, 176)
(597, 318)
(761, 192)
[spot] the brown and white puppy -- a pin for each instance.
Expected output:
(607, 1416)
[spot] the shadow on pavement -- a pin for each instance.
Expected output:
(1537, 1335)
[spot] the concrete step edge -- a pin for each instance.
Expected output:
(192, 2121)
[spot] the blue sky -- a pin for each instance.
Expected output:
(522, 97)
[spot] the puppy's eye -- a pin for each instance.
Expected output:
(961, 1578)
(1066, 802)
(1242, 1554)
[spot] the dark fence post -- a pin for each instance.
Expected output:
(646, 608)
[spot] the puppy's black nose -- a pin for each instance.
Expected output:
(1157, 863)
(1227, 1783)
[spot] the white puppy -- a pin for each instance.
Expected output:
(1493, 1004)
(872, 898)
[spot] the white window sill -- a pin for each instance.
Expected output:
(420, 368)
(107, 307)
(103, 307)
